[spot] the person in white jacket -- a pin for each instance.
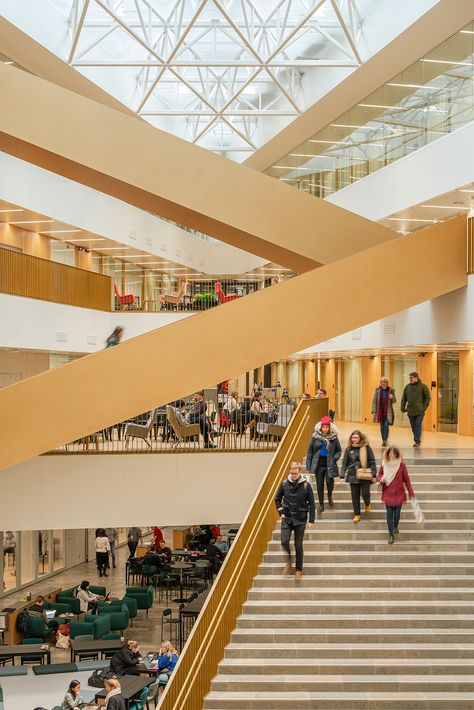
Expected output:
(102, 552)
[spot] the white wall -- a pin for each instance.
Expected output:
(437, 168)
(119, 490)
(15, 367)
(445, 320)
(67, 201)
(42, 325)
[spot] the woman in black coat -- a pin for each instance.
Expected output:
(358, 454)
(323, 454)
(114, 699)
(124, 661)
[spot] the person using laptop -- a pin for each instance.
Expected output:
(37, 609)
(87, 599)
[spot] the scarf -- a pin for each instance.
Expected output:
(390, 470)
(383, 404)
(115, 691)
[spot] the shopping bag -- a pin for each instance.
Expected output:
(417, 512)
(62, 641)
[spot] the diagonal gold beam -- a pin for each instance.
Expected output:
(99, 390)
(36, 59)
(133, 161)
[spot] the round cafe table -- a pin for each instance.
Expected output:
(181, 566)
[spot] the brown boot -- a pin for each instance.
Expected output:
(298, 576)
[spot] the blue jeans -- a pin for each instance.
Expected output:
(384, 429)
(393, 517)
(415, 423)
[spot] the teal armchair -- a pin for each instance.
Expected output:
(116, 605)
(93, 625)
(37, 627)
(59, 607)
(143, 595)
(73, 603)
(118, 616)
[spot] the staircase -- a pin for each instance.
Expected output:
(370, 625)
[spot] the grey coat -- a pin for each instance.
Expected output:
(391, 402)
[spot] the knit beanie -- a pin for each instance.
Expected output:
(326, 421)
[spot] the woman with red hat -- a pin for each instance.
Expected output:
(323, 454)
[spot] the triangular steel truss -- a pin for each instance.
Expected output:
(225, 74)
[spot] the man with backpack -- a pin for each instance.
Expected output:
(295, 501)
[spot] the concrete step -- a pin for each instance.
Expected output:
(407, 522)
(374, 700)
(319, 534)
(354, 619)
(365, 607)
(353, 636)
(389, 553)
(349, 683)
(365, 566)
(367, 665)
(346, 651)
(403, 582)
(325, 594)
(403, 545)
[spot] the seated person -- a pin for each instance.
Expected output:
(114, 699)
(167, 659)
(87, 599)
(164, 550)
(221, 545)
(123, 662)
(153, 559)
(214, 555)
(73, 698)
(199, 416)
(37, 609)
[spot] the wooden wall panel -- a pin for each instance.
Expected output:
(29, 276)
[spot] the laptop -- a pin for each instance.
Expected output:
(50, 613)
(150, 661)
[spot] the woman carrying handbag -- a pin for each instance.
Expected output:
(359, 469)
(393, 477)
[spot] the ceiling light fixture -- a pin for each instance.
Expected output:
(344, 125)
(395, 108)
(466, 190)
(113, 248)
(62, 231)
(90, 239)
(445, 207)
(445, 61)
(34, 221)
(12, 210)
(409, 219)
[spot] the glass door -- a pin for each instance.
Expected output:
(448, 391)
(402, 365)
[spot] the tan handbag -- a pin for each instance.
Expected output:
(363, 473)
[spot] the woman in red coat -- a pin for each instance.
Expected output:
(393, 476)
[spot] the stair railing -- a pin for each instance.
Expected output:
(197, 665)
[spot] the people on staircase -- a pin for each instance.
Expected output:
(295, 503)
(323, 454)
(382, 408)
(359, 470)
(394, 479)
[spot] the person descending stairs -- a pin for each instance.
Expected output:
(370, 625)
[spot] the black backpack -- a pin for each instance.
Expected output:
(98, 678)
(23, 623)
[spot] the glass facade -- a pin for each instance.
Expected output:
(448, 391)
(433, 97)
(31, 554)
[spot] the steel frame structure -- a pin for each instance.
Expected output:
(211, 71)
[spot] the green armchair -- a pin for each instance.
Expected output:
(119, 617)
(59, 607)
(143, 595)
(93, 625)
(37, 627)
(116, 605)
(67, 596)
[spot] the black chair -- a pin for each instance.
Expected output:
(167, 619)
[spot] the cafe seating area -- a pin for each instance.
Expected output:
(143, 604)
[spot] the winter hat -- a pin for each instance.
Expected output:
(326, 421)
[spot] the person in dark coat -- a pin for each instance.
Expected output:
(393, 477)
(415, 401)
(358, 454)
(382, 408)
(124, 661)
(114, 699)
(323, 454)
(295, 501)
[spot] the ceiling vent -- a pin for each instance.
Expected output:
(389, 328)
(357, 334)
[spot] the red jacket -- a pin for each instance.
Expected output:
(158, 535)
(394, 494)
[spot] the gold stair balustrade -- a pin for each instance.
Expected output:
(191, 679)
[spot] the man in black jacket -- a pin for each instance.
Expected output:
(294, 500)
